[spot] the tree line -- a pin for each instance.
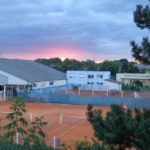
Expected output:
(116, 66)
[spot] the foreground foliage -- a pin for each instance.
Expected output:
(16, 119)
(142, 19)
(29, 137)
(121, 129)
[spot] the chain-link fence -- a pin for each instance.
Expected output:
(49, 97)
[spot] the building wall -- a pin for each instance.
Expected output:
(113, 85)
(7, 78)
(3, 80)
(46, 84)
(87, 79)
(128, 78)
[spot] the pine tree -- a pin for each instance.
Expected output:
(143, 130)
(121, 129)
(117, 129)
(142, 19)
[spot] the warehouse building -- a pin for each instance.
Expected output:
(19, 75)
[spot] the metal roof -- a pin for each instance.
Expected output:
(30, 71)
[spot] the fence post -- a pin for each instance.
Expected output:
(135, 94)
(121, 94)
(67, 90)
(54, 142)
(92, 92)
(4, 93)
(57, 143)
(79, 91)
(17, 138)
(107, 92)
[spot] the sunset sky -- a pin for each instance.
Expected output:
(79, 29)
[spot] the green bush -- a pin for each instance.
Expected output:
(93, 145)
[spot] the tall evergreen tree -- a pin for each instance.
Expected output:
(143, 130)
(142, 19)
(117, 129)
(121, 129)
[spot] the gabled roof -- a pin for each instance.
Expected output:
(30, 71)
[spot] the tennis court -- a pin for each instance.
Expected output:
(73, 127)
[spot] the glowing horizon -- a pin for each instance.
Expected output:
(52, 52)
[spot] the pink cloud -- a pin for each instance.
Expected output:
(50, 52)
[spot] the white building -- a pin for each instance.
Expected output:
(91, 80)
(87, 80)
(16, 75)
(113, 85)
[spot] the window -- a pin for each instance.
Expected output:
(71, 76)
(90, 83)
(51, 83)
(100, 76)
(101, 83)
(90, 76)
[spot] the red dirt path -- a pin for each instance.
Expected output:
(70, 130)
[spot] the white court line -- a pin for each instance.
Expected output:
(69, 116)
(78, 117)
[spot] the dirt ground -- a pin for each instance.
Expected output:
(72, 129)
